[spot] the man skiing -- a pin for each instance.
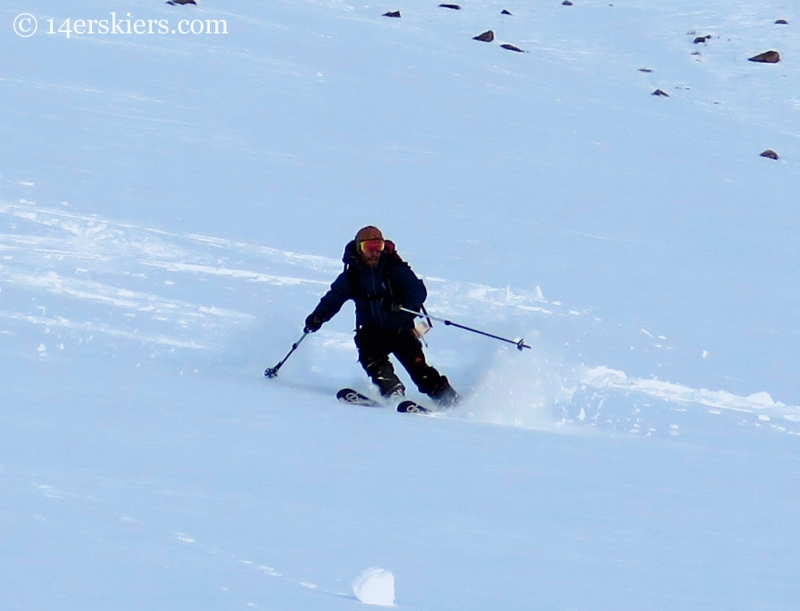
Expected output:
(381, 283)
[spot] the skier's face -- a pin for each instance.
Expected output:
(371, 251)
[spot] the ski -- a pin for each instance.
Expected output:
(353, 397)
(412, 407)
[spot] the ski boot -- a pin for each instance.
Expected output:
(444, 395)
(383, 375)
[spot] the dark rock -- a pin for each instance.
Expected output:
(781, 22)
(512, 48)
(455, 7)
(770, 154)
(767, 57)
(504, 12)
(660, 93)
(392, 14)
(487, 36)
(177, 2)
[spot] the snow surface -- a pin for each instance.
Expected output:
(172, 206)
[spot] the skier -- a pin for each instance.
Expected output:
(380, 283)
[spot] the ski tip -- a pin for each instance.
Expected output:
(343, 394)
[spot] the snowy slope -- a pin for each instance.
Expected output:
(172, 206)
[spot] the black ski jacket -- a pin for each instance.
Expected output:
(375, 290)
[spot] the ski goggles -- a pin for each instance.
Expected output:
(372, 246)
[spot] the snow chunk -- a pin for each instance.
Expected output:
(605, 376)
(762, 398)
(375, 586)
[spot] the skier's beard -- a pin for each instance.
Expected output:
(371, 259)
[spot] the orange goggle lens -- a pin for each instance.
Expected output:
(371, 246)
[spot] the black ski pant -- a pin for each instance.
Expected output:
(375, 346)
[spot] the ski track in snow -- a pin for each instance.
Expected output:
(56, 267)
(81, 497)
(250, 565)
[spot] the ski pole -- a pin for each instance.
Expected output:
(449, 323)
(271, 372)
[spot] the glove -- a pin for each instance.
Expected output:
(313, 323)
(393, 306)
